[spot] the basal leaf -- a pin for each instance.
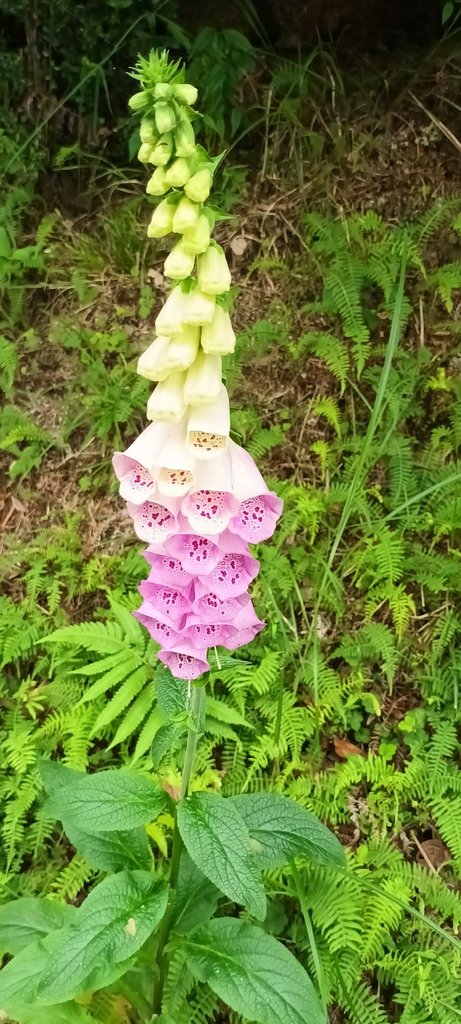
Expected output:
(108, 801)
(112, 851)
(217, 838)
(282, 829)
(253, 973)
(112, 924)
(30, 918)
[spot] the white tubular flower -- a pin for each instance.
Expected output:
(171, 317)
(166, 404)
(214, 276)
(186, 215)
(162, 151)
(178, 173)
(168, 355)
(203, 381)
(165, 118)
(144, 152)
(198, 187)
(179, 263)
(135, 466)
(185, 94)
(218, 338)
(184, 139)
(152, 363)
(198, 308)
(161, 222)
(183, 348)
(174, 469)
(198, 239)
(157, 186)
(208, 428)
(147, 132)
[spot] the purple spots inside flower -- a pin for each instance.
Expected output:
(139, 478)
(153, 522)
(213, 609)
(159, 631)
(196, 554)
(185, 666)
(208, 510)
(175, 481)
(205, 441)
(168, 571)
(256, 518)
(233, 574)
(208, 633)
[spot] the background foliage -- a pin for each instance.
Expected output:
(347, 389)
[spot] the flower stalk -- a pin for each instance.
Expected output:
(206, 600)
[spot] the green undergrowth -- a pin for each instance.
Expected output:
(349, 700)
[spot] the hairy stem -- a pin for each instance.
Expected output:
(196, 705)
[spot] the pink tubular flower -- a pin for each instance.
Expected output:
(259, 508)
(196, 554)
(166, 570)
(167, 604)
(154, 522)
(164, 634)
(208, 607)
(211, 503)
(185, 661)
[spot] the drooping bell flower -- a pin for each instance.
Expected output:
(166, 403)
(186, 215)
(208, 425)
(214, 276)
(161, 222)
(217, 337)
(179, 264)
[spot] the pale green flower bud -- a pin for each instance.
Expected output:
(144, 152)
(186, 215)
(161, 222)
(170, 320)
(162, 151)
(157, 186)
(167, 403)
(178, 173)
(214, 276)
(218, 338)
(163, 91)
(198, 308)
(139, 101)
(183, 348)
(147, 132)
(203, 380)
(169, 355)
(185, 94)
(198, 187)
(197, 239)
(153, 362)
(179, 263)
(184, 139)
(165, 118)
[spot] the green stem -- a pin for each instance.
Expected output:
(310, 934)
(196, 705)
